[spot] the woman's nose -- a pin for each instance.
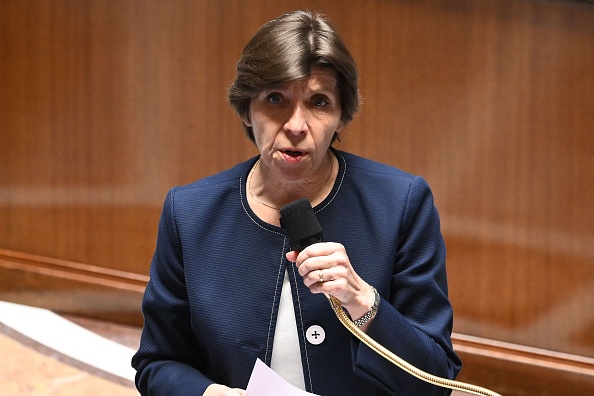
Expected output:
(296, 124)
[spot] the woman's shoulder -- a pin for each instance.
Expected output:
(379, 179)
(228, 177)
(208, 194)
(365, 167)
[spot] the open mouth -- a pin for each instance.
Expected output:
(293, 154)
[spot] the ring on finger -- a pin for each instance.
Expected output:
(321, 276)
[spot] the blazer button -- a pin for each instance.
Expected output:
(315, 335)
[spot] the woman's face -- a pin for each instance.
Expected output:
(294, 123)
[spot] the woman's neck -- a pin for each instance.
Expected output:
(267, 195)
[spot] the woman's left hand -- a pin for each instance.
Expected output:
(326, 268)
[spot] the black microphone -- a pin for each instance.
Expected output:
(301, 223)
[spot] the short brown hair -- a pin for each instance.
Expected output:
(286, 49)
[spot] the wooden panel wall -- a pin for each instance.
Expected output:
(104, 105)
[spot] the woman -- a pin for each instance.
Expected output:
(225, 289)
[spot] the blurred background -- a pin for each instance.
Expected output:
(106, 104)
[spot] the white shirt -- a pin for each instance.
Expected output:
(286, 354)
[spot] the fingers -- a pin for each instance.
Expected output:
(321, 263)
(319, 278)
(318, 256)
(222, 390)
(326, 268)
(292, 256)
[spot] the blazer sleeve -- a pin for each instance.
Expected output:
(415, 317)
(167, 362)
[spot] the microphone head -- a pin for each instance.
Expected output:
(301, 223)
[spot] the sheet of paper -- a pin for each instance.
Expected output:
(265, 382)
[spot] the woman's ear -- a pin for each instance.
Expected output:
(246, 120)
(340, 126)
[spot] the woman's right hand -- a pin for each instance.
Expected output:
(222, 390)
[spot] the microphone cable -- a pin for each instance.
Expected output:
(303, 229)
(401, 363)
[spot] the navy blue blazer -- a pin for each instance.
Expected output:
(211, 304)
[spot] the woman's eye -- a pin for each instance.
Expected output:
(274, 98)
(320, 102)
